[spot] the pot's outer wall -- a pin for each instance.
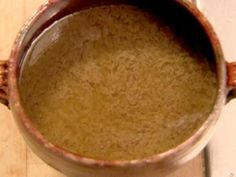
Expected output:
(221, 149)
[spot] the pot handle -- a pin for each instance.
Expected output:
(3, 82)
(231, 83)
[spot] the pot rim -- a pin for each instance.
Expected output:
(24, 120)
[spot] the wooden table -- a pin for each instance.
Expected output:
(16, 159)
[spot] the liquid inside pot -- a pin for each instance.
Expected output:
(116, 83)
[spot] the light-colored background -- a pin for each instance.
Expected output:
(16, 160)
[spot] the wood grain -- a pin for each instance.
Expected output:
(16, 159)
(12, 146)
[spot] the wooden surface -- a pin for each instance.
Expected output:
(16, 159)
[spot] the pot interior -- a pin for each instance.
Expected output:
(182, 22)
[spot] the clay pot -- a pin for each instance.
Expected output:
(178, 12)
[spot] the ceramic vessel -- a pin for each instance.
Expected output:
(75, 165)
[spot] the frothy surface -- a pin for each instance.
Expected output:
(116, 83)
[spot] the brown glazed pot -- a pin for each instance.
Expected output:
(75, 165)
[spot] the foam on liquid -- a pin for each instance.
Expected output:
(116, 83)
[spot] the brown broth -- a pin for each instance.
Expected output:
(114, 82)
